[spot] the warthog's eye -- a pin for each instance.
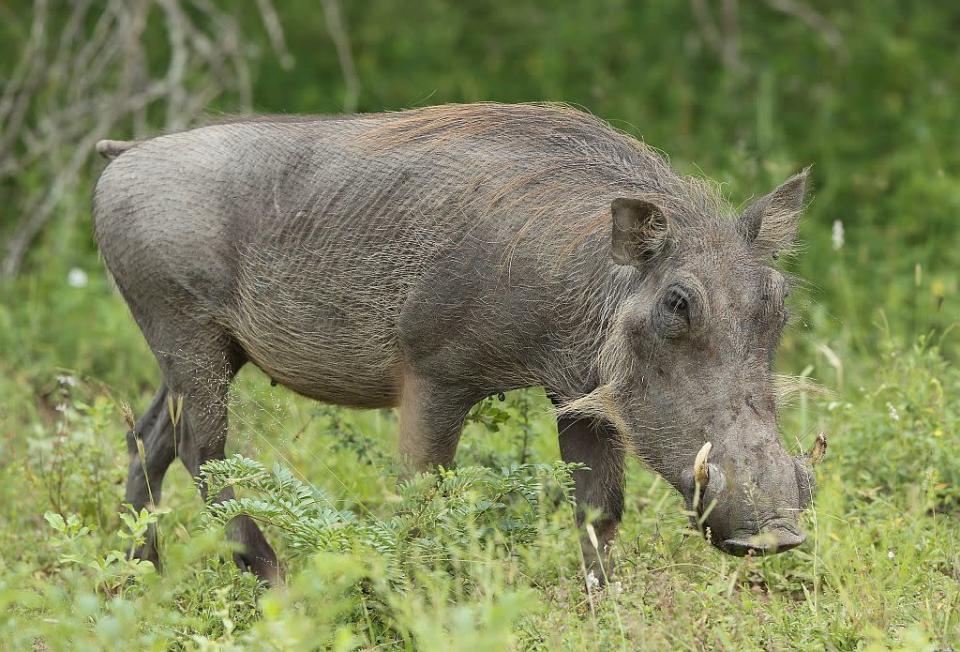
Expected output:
(673, 318)
(677, 303)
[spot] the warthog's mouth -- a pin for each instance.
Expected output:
(768, 542)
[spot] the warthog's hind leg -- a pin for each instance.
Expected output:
(202, 378)
(153, 433)
(198, 362)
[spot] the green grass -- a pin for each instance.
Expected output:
(484, 557)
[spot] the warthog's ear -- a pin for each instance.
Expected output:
(639, 231)
(770, 223)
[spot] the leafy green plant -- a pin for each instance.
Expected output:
(415, 546)
(303, 513)
(75, 471)
(432, 512)
(111, 572)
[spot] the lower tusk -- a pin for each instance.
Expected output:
(701, 470)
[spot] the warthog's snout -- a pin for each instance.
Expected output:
(771, 540)
(757, 516)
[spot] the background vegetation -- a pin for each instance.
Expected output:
(485, 557)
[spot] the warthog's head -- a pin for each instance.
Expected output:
(687, 369)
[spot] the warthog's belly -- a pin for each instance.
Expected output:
(337, 368)
(324, 338)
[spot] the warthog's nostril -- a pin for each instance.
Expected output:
(765, 543)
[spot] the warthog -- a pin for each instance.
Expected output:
(429, 258)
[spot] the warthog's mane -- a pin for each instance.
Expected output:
(558, 166)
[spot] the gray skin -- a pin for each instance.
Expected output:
(427, 259)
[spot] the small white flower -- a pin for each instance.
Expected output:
(894, 415)
(837, 235)
(592, 581)
(67, 380)
(890, 554)
(77, 278)
(61, 407)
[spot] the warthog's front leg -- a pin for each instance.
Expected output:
(431, 420)
(599, 489)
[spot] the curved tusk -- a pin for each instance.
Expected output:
(819, 450)
(701, 470)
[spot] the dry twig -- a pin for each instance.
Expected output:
(341, 40)
(86, 77)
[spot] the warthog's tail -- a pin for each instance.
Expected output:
(111, 149)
